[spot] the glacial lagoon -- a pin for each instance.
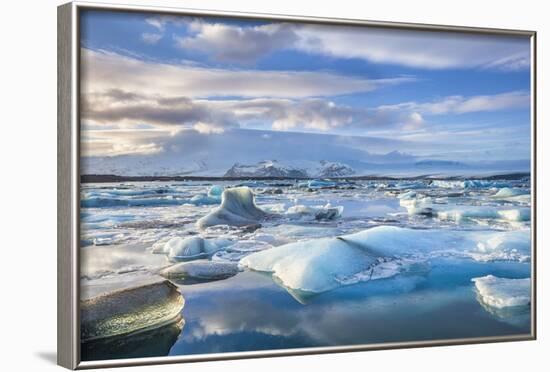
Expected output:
(280, 264)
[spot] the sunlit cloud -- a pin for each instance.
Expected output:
(102, 70)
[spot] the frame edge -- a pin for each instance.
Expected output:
(66, 323)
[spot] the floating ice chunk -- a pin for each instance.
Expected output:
(326, 212)
(503, 292)
(311, 266)
(216, 190)
(521, 214)
(410, 185)
(468, 184)
(477, 184)
(421, 205)
(448, 184)
(320, 184)
(99, 202)
(237, 209)
(193, 248)
(460, 213)
(201, 270)
(212, 197)
(407, 195)
(507, 192)
(319, 265)
(130, 310)
(505, 246)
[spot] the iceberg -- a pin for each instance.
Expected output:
(326, 212)
(421, 205)
(407, 195)
(503, 292)
(483, 212)
(214, 196)
(508, 192)
(100, 202)
(468, 184)
(192, 248)
(319, 265)
(237, 209)
(201, 270)
(504, 246)
(129, 310)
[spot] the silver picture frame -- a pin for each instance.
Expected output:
(68, 183)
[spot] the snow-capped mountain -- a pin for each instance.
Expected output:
(272, 168)
(266, 168)
(330, 169)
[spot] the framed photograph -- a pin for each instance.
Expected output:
(235, 185)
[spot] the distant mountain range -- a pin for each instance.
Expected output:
(272, 168)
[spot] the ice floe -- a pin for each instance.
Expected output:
(237, 209)
(503, 292)
(319, 213)
(319, 265)
(201, 270)
(193, 247)
(507, 192)
(503, 246)
(131, 309)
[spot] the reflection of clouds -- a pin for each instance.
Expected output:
(382, 311)
(153, 343)
(349, 318)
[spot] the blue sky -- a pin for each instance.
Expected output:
(148, 80)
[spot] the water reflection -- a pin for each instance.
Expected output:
(152, 343)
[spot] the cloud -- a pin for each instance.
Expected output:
(463, 105)
(419, 49)
(150, 38)
(410, 48)
(124, 142)
(101, 70)
(244, 45)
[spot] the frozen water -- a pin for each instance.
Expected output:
(131, 309)
(201, 270)
(193, 247)
(503, 292)
(326, 212)
(311, 236)
(237, 209)
(319, 265)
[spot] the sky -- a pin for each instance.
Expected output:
(153, 86)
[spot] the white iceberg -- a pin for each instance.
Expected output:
(237, 209)
(504, 246)
(503, 292)
(128, 310)
(319, 213)
(320, 265)
(201, 270)
(193, 247)
(460, 213)
(507, 192)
